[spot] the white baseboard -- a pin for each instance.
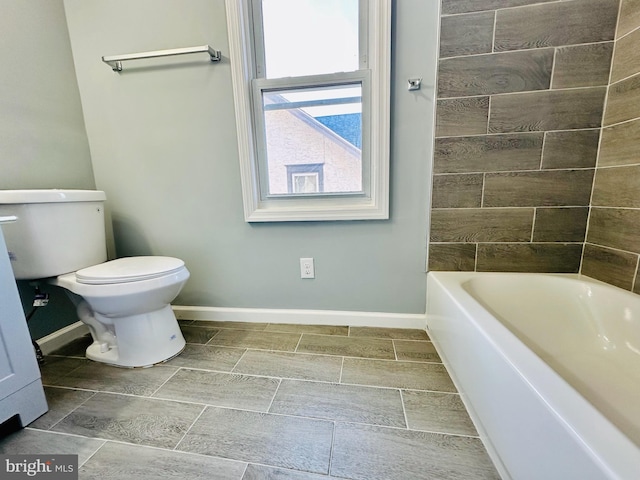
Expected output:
(69, 333)
(61, 337)
(303, 317)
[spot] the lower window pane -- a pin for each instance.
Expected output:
(313, 139)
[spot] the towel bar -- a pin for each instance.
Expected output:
(115, 61)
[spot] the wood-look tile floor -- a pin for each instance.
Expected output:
(262, 401)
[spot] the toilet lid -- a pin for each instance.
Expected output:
(129, 269)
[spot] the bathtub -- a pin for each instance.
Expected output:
(548, 366)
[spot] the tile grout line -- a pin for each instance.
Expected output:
(92, 455)
(275, 393)
(238, 361)
(164, 383)
(333, 439)
(553, 66)
(76, 408)
(513, 7)
(523, 50)
(204, 407)
(404, 410)
(437, 432)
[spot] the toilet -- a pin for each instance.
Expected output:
(59, 237)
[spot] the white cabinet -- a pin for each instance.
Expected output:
(21, 391)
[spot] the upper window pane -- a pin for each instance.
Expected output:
(310, 37)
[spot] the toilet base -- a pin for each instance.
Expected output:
(141, 340)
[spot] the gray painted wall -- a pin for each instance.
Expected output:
(164, 148)
(43, 143)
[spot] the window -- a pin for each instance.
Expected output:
(311, 90)
(305, 183)
(305, 178)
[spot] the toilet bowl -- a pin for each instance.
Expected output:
(125, 304)
(60, 236)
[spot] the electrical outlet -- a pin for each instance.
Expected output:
(306, 268)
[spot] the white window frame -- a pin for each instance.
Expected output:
(374, 203)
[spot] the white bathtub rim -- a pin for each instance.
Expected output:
(603, 441)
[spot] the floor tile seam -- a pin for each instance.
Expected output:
(390, 338)
(298, 351)
(69, 356)
(144, 397)
(80, 465)
(276, 414)
(398, 388)
(255, 330)
(244, 471)
(289, 469)
(189, 429)
(393, 360)
(165, 449)
(219, 324)
(292, 352)
(309, 333)
(103, 440)
(411, 430)
(430, 391)
(408, 360)
(210, 327)
(350, 356)
(329, 419)
(203, 404)
(235, 365)
(413, 340)
(209, 370)
(66, 434)
(165, 382)
(276, 377)
(273, 398)
(238, 373)
(451, 434)
(404, 409)
(291, 379)
(379, 387)
(209, 344)
(72, 388)
(214, 346)
(352, 337)
(93, 394)
(331, 447)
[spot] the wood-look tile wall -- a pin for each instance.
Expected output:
(612, 244)
(521, 91)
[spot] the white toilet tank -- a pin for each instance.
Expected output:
(57, 231)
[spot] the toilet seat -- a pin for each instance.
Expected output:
(129, 269)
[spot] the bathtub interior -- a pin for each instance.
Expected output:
(532, 421)
(588, 332)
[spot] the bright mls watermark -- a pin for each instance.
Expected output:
(51, 467)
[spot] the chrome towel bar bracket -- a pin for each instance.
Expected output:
(115, 61)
